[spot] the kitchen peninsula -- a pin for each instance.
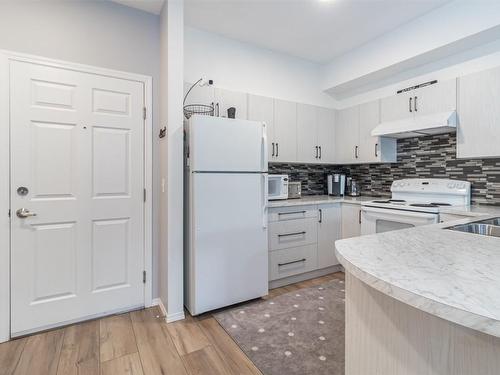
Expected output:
(424, 300)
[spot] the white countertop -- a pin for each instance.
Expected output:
(449, 274)
(473, 210)
(319, 199)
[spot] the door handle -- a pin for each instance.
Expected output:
(360, 216)
(320, 152)
(277, 149)
(376, 149)
(316, 151)
(23, 213)
(409, 104)
(320, 215)
(356, 151)
(415, 103)
(273, 149)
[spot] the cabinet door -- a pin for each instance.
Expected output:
(307, 138)
(347, 135)
(369, 118)
(436, 98)
(226, 99)
(326, 135)
(329, 231)
(351, 220)
(285, 130)
(478, 133)
(396, 107)
(261, 108)
(199, 95)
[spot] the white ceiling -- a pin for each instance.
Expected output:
(316, 30)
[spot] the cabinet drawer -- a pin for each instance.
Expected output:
(293, 261)
(292, 213)
(292, 233)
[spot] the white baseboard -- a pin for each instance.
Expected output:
(158, 302)
(175, 317)
(169, 318)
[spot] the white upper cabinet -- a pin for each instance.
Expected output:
(261, 108)
(373, 149)
(285, 131)
(396, 107)
(225, 99)
(440, 97)
(307, 125)
(478, 134)
(435, 98)
(347, 135)
(326, 135)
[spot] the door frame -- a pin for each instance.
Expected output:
(6, 57)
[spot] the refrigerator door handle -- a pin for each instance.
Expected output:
(264, 147)
(265, 193)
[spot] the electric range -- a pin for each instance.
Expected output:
(414, 202)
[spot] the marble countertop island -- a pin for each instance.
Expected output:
(449, 274)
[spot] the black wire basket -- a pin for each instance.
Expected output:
(198, 109)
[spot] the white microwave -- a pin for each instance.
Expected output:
(277, 186)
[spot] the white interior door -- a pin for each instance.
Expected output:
(77, 147)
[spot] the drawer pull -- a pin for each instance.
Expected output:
(291, 234)
(292, 262)
(292, 213)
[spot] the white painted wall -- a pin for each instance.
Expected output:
(242, 67)
(439, 29)
(171, 115)
(99, 33)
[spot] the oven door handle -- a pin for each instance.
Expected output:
(403, 214)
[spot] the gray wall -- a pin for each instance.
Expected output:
(99, 33)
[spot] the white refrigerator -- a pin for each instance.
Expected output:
(226, 255)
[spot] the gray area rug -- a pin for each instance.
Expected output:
(300, 332)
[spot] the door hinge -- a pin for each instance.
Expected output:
(144, 111)
(144, 195)
(144, 277)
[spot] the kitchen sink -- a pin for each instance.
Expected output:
(480, 227)
(494, 221)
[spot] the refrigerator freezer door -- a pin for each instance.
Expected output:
(228, 254)
(227, 145)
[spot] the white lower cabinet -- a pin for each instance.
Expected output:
(329, 231)
(293, 261)
(351, 220)
(302, 238)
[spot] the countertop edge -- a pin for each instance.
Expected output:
(449, 313)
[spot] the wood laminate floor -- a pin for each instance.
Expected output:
(135, 343)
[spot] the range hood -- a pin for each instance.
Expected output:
(418, 126)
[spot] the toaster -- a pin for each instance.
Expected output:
(294, 190)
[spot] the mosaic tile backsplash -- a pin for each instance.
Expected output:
(423, 157)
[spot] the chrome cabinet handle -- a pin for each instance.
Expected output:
(360, 216)
(316, 152)
(292, 262)
(409, 101)
(23, 213)
(292, 234)
(273, 149)
(320, 215)
(277, 149)
(376, 149)
(320, 152)
(356, 151)
(415, 104)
